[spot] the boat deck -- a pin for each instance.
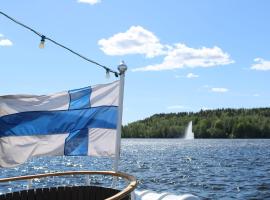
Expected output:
(63, 193)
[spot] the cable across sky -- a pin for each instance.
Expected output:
(44, 38)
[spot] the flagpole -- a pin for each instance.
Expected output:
(122, 69)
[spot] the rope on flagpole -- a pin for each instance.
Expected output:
(43, 38)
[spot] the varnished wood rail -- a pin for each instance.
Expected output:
(119, 195)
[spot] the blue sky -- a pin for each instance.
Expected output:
(182, 55)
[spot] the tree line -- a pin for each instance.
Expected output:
(220, 123)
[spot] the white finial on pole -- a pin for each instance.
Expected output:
(122, 69)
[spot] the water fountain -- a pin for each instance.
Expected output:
(189, 135)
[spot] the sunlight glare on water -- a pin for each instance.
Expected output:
(208, 168)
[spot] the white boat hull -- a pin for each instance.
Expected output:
(150, 195)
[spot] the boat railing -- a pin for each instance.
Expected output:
(117, 194)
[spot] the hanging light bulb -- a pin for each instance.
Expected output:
(42, 42)
(107, 73)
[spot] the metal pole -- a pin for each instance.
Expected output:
(30, 183)
(87, 180)
(122, 69)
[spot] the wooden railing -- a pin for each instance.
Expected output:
(119, 194)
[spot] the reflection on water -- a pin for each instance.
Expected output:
(212, 169)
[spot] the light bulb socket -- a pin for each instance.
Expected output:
(42, 42)
(107, 73)
(43, 37)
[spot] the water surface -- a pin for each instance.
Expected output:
(208, 168)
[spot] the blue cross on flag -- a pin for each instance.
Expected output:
(76, 122)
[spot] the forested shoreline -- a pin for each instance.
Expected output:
(219, 123)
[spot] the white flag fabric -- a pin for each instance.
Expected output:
(78, 122)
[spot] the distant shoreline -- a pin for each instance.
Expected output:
(220, 123)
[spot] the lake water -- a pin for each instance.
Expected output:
(208, 168)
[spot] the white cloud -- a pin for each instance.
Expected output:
(4, 41)
(174, 107)
(181, 56)
(191, 75)
(262, 65)
(136, 40)
(256, 95)
(220, 90)
(92, 2)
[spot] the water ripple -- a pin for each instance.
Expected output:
(210, 169)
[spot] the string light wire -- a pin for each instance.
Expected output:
(43, 37)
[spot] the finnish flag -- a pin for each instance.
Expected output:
(76, 122)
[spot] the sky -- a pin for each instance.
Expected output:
(182, 56)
